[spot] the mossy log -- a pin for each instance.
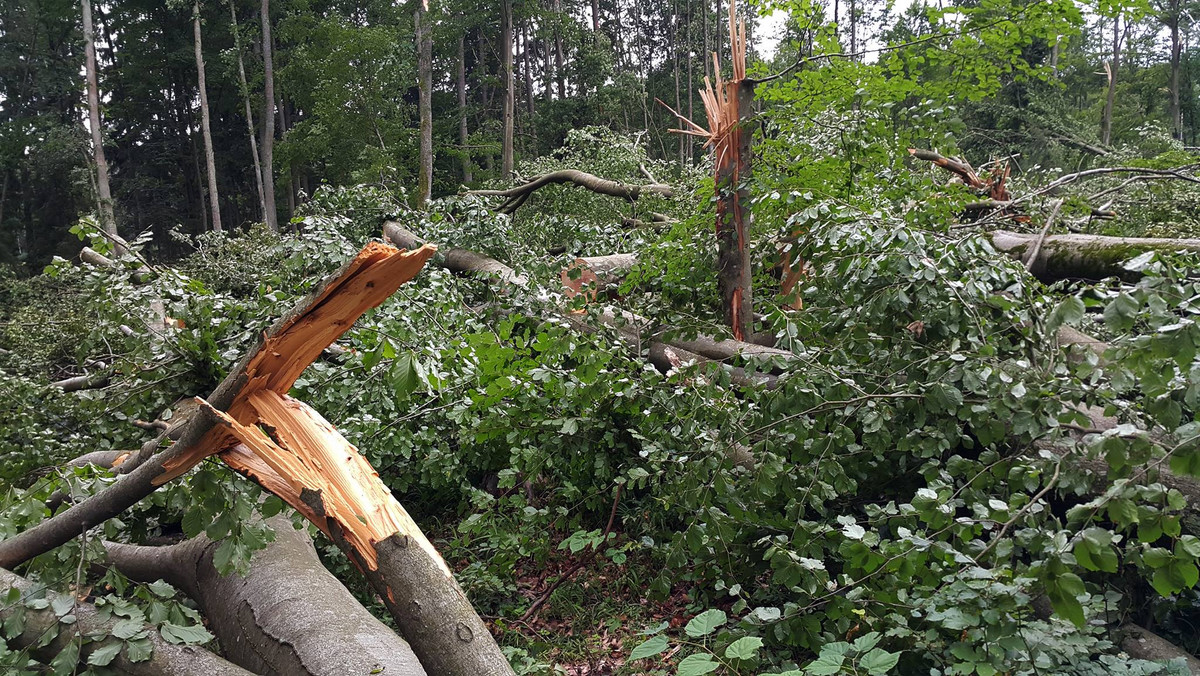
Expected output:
(1091, 257)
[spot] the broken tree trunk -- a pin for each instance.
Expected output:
(309, 465)
(288, 615)
(1084, 256)
(733, 108)
(589, 275)
(516, 196)
(166, 659)
(458, 261)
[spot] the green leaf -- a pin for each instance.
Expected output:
(271, 506)
(649, 648)
(194, 522)
(696, 665)
(105, 654)
(705, 623)
(67, 659)
(161, 589)
(826, 664)
(879, 661)
(139, 650)
(178, 634)
(744, 648)
(127, 628)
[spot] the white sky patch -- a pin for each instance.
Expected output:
(770, 33)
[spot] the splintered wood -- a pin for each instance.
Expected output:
(285, 445)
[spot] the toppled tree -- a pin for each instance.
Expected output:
(291, 451)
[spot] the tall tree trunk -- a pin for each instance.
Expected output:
(1176, 59)
(691, 87)
(675, 66)
(245, 88)
(108, 219)
(1113, 66)
(214, 200)
(526, 67)
(506, 74)
(596, 21)
(268, 145)
(733, 216)
(463, 136)
(424, 37)
(558, 51)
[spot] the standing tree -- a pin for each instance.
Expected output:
(268, 144)
(108, 220)
(463, 135)
(245, 89)
(506, 74)
(424, 40)
(214, 199)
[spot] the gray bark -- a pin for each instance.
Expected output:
(108, 220)
(1140, 643)
(424, 37)
(245, 88)
(287, 616)
(517, 196)
(463, 135)
(166, 659)
(459, 261)
(506, 76)
(268, 144)
(1084, 256)
(214, 200)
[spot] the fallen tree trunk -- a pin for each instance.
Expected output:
(287, 616)
(458, 261)
(1143, 644)
(1084, 256)
(166, 659)
(595, 272)
(517, 196)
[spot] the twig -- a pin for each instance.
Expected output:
(1037, 246)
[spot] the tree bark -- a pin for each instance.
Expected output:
(424, 38)
(463, 136)
(517, 196)
(733, 200)
(214, 200)
(559, 73)
(1084, 256)
(1143, 644)
(166, 659)
(288, 615)
(268, 144)
(108, 219)
(458, 261)
(1112, 67)
(506, 76)
(1174, 109)
(245, 90)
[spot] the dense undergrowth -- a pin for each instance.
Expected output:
(922, 477)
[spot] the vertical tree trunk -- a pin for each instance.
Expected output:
(214, 200)
(733, 212)
(1176, 58)
(558, 51)
(268, 145)
(1114, 66)
(245, 88)
(596, 21)
(691, 86)
(463, 136)
(424, 37)
(675, 65)
(108, 219)
(506, 74)
(854, 28)
(527, 71)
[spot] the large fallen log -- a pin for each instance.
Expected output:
(1143, 644)
(288, 615)
(517, 196)
(294, 453)
(1084, 256)
(458, 261)
(38, 625)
